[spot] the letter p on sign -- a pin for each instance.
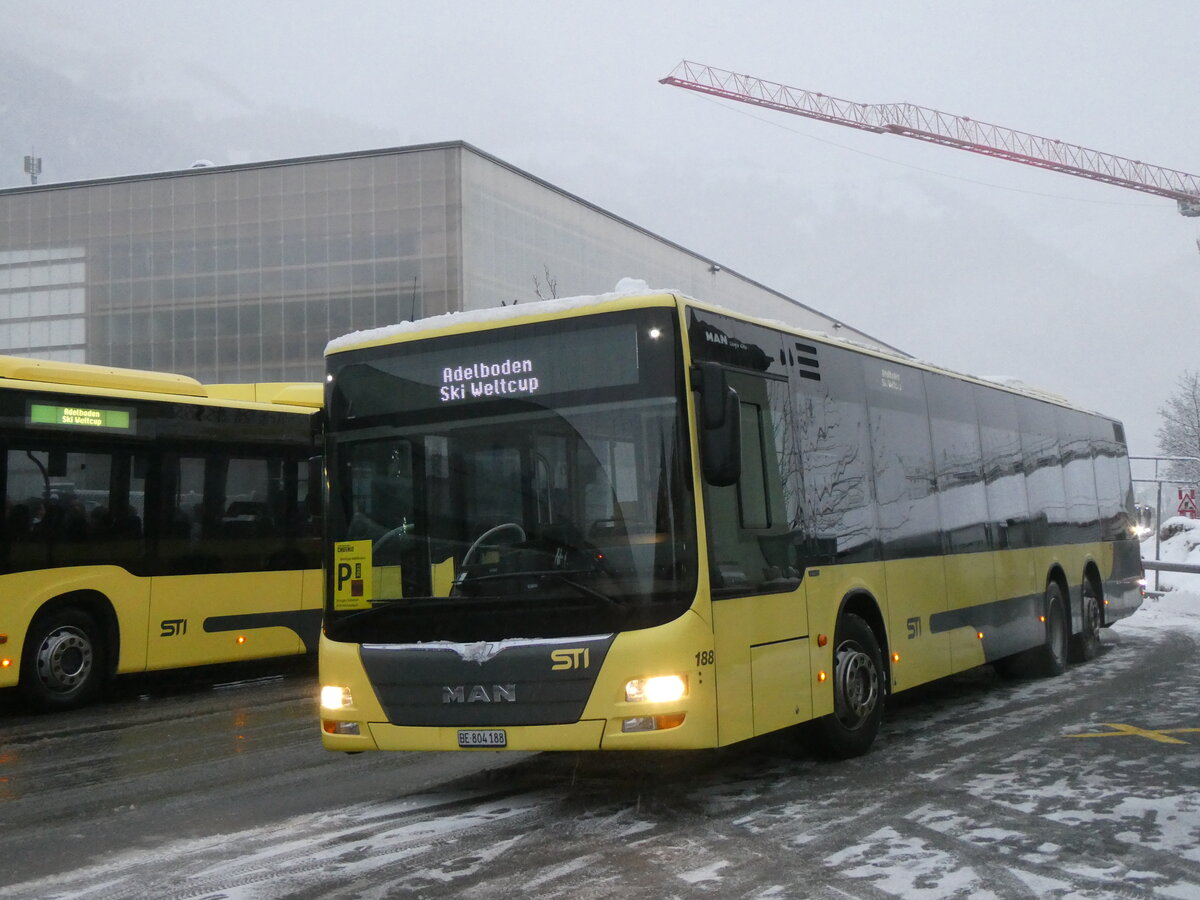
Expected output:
(352, 575)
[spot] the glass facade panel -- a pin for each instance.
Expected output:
(359, 241)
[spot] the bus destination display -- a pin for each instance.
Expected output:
(81, 417)
(521, 366)
(512, 376)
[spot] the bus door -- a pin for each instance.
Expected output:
(755, 553)
(229, 582)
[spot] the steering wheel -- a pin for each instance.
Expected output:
(402, 529)
(504, 526)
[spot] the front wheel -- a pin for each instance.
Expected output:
(858, 692)
(62, 665)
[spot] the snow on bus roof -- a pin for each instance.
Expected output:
(626, 287)
(636, 287)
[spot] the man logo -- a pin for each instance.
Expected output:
(479, 694)
(173, 627)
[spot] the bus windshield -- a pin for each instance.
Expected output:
(528, 482)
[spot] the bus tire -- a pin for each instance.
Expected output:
(858, 692)
(1085, 646)
(1050, 659)
(63, 663)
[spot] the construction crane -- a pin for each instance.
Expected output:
(924, 124)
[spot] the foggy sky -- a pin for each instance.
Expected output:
(979, 265)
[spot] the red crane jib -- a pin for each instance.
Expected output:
(962, 132)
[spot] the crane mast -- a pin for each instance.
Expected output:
(962, 132)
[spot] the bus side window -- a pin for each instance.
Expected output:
(753, 525)
(66, 508)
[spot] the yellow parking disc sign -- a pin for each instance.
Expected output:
(352, 575)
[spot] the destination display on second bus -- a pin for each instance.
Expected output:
(81, 417)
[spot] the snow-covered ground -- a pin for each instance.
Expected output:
(1179, 605)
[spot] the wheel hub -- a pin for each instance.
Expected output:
(1091, 612)
(64, 659)
(856, 685)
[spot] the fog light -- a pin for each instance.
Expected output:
(5, 663)
(660, 689)
(334, 697)
(652, 723)
(332, 727)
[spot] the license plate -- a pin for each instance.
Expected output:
(494, 737)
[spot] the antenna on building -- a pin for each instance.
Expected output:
(33, 167)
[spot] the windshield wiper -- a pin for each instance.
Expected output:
(584, 589)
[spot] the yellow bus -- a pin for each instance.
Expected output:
(151, 522)
(646, 522)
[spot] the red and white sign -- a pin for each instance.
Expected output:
(1187, 503)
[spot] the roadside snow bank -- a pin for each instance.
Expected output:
(1179, 606)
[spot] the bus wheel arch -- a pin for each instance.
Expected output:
(860, 681)
(1085, 645)
(866, 608)
(70, 651)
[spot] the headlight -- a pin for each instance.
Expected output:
(334, 697)
(659, 689)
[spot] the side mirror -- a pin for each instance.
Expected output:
(709, 380)
(720, 425)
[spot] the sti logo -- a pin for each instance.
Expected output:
(573, 658)
(173, 627)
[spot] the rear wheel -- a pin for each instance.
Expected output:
(62, 665)
(1050, 657)
(858, 692)
(1086, 644)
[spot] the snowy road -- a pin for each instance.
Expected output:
(1082, 786)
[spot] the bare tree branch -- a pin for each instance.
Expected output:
(1179, 433)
